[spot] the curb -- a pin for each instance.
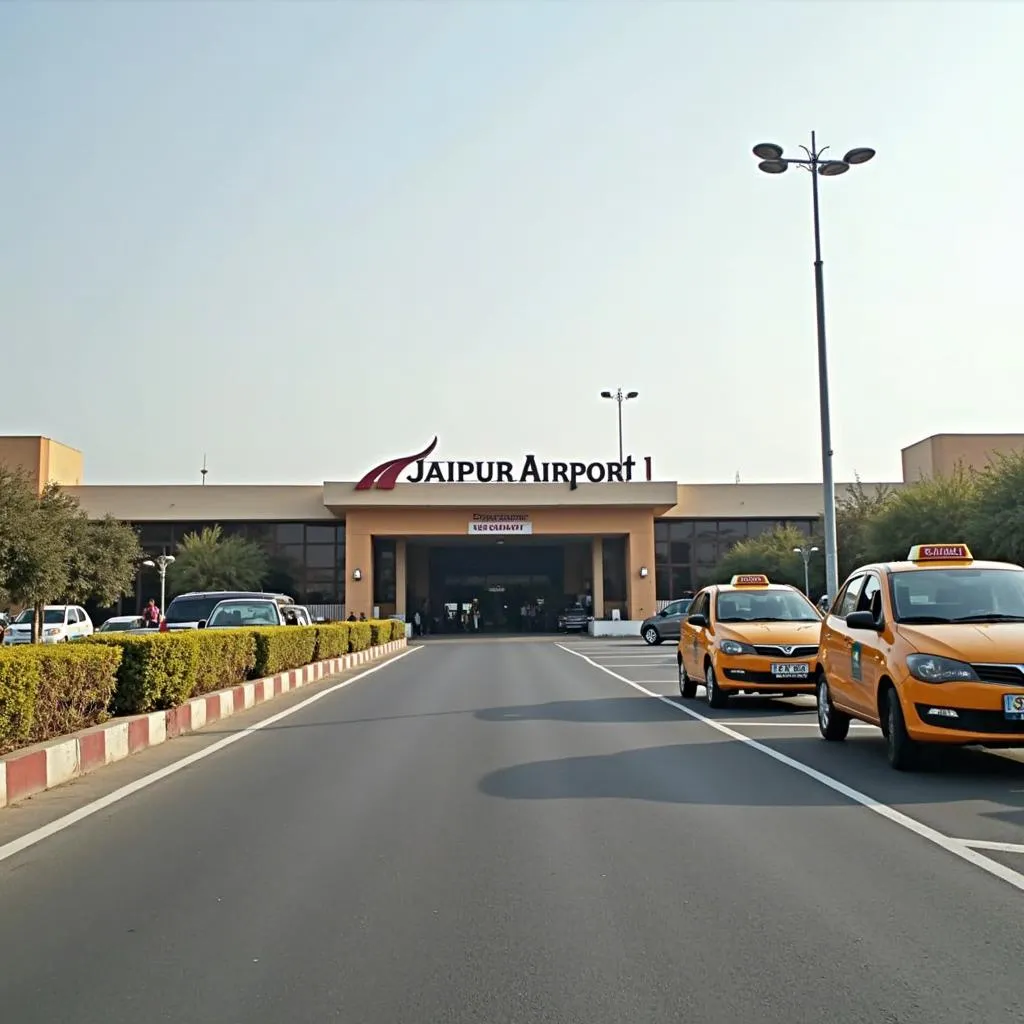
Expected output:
(23, 773)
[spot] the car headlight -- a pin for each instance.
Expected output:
(52, 631)
(735, 647)
(930, 668)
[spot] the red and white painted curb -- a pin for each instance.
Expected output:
(45, 765)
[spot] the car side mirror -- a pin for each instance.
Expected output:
(201, 624)
(662, 613)
(698, 620)
(862, 620)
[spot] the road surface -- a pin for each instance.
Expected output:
(495, 832)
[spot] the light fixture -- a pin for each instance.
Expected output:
(643, 571)
(357, 574)
(768, 151)
(830, 168)
(773, 166)
(860, 155)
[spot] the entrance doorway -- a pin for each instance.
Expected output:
(493, 587)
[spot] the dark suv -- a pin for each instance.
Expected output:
(186, 611)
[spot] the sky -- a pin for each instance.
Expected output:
(301, 238)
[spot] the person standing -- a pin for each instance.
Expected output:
(151, 614)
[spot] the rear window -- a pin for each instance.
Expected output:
(192, 609)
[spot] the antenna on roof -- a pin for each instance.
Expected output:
(737, 476)
(204, 470)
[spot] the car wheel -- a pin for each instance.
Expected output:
(687, 686)
(903, 752)
(652, 636)
(832, 724)
(712, 692)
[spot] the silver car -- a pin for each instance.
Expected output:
(666, 624)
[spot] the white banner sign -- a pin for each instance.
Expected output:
(500, 522)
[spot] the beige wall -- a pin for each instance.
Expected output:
(940, 454)
(45, 460)
(362, 525)
(754, 501)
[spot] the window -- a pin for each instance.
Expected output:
(320, 556)
(765, 606)
(871, 597)
(944, 595)
(320, 534)
(847, 600)
(701, 604)
(289, 533)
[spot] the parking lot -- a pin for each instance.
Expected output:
(972, 797)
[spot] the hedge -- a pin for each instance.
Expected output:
(48, 691)
(52, 690)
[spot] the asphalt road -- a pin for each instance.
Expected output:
(492, 832)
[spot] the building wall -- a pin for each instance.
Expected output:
(45, 460)
(940, 454)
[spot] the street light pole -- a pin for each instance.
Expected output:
(773, 162)
(160, 563)
(805, 552)
(620, 397)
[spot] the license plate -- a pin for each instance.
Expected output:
(799, 669)
(1013, 706)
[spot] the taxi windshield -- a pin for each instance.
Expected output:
(765, 606)
(935, 596)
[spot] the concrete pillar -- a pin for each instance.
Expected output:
(597, 576)
(640, 591)
(358, 555)
(400, 577)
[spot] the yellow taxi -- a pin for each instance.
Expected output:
(930, 649)
(750, 636)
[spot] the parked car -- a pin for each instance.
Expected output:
(61, 623)
(245, 612)
(300, 613)
(186, 611)
(122, 624)
(665, 625)
(574, 617)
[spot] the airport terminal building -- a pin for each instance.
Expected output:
(516, 537)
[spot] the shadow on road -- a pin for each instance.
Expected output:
(591, 710)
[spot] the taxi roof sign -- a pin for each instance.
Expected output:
(940, 553)
(750, 579)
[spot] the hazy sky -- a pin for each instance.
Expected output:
(306, 237)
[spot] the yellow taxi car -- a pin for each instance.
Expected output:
(930, 649)
(751, 636)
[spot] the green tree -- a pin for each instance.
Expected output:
(854, 511)
(210, 561)
(51, 552)
(996, 526)
(936, 510)
(772, 553)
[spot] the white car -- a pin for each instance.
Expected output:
(61, 623)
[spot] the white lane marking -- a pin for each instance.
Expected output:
(957, 847)
(986, 844)
(15, 846)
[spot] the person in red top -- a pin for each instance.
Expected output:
(151, 614)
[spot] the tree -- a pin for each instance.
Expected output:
(772, 553)
(936, 510)
(854, 511)
(50, 551)
(210, 561)
(996, 525)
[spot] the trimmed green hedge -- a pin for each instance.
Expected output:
(48, 691)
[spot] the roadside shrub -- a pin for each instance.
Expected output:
(332, 640)
(359, 636)
(227, 657)
(397, 630)
(380, 632)
(76, 687)
(156, 671)
(48, 691)
(280, 648)
(19, 682)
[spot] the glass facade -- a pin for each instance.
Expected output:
(687, 550)
(307, 560)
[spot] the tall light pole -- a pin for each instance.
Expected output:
(620, 397)
(805, 552)
(160, 563)
(773, 162)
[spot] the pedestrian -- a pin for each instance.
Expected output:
(151, 614)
